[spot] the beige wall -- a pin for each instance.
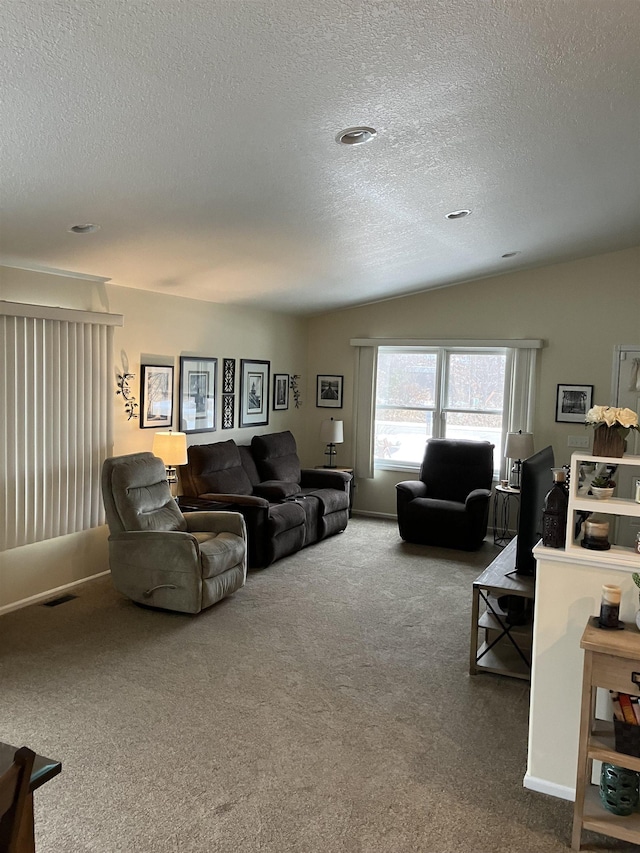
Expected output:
(157, 329)
(581, 310)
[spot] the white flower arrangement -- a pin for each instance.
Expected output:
(623, 419)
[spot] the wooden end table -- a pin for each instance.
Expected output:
(43, 770)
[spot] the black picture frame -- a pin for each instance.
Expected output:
(329, 389)
(156, 396)
(228, 376)
(572, 403)
(280, 391)
(198, 394)
(254, 392)
(228, 410)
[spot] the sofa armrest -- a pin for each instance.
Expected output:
(478, 496)
(240, 500)
(410, 489)
(276, 490)
(207, 521)
(323, 478)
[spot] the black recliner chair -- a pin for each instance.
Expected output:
(449, 504)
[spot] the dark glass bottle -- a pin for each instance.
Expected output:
(556, 504)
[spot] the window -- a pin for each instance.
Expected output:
(56, 424)
(438, 392)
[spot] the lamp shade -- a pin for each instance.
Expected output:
(519, 445)
(171, 447)
(331, 432)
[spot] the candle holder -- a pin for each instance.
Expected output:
(610, 607)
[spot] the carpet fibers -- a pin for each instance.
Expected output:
(326, 706)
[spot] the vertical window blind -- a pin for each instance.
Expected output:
(56, 420)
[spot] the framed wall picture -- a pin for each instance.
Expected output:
(198, 377)
(573, 402)
(254, 393)
(156, 396)
(228, 410)
(329, 391)
(228, 376)
(280, 391)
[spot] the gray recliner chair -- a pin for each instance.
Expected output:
(157, 555)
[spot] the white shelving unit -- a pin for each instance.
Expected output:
(614, 506)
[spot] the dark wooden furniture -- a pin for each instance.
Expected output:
(41, 770)
(14, 792)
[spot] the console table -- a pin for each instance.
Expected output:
(506, 649)
(43, 770)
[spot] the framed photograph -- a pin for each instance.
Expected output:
(156, 396)
(198, 378)
(280, 391)
(329, 391)
(573, 402)
(254, 393)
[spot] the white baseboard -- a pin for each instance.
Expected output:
(543, 786)
(50, 593)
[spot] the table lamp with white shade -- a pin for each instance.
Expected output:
(519, 446)
(171, 447)
(332, 433)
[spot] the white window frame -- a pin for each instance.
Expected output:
(521, 390)
(441, 409)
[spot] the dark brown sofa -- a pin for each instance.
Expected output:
(285, 507)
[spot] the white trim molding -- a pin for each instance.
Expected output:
(417, 342)
(543, 786)
(66, 315)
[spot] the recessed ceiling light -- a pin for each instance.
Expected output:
(510, 254)
(88, 228)
(356, 135)
(458, 214)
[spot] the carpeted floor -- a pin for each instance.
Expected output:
(326, 706)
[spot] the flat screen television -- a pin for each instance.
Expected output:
(536, 478)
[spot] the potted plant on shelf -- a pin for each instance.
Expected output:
(602, 487)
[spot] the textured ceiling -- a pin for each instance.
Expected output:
(199, 135)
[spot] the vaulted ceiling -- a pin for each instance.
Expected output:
(200, 136)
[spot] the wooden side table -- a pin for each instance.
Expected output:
(611, 661)
(43, 770)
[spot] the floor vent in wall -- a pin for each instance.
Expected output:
(54, 602)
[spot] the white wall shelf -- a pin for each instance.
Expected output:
(615, 506)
